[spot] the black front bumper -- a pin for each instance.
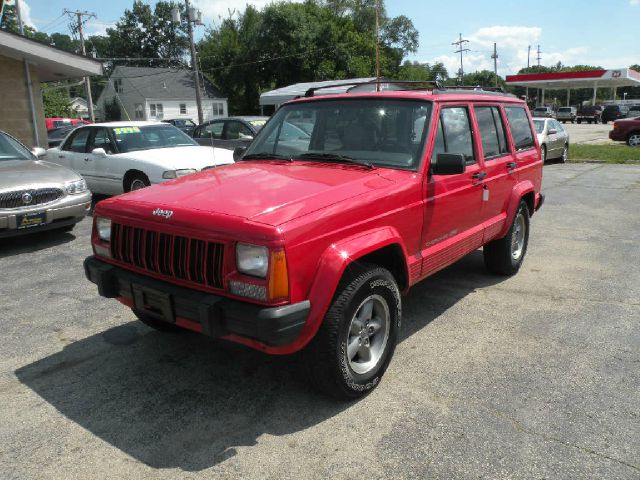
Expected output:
(218, 316)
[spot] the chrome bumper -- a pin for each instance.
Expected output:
(69, 207)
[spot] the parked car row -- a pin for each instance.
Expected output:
(626, 130)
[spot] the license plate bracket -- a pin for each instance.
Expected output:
(154, 302)
(31, 220)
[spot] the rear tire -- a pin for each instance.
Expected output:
(505, 255)
(579, 121)
(156, 324)
(354, 345)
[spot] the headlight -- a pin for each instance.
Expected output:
(77, 186)
(178, 173)
(252, 259)
(103, 227)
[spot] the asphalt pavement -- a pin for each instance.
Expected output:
(533, 376)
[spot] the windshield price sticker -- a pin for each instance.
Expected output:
(125, 130)
(255, 123)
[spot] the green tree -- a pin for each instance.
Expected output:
(56, 103)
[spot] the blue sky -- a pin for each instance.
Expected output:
(595, 32)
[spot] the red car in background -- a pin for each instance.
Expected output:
(55, 122)
(627, 130)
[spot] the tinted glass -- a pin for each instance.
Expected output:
(101, 140)
(491, 131)
(520, 128)
(457, 132)
(77, 142)
(212, 130)
(130, 139)
(384, 132)
(238, 131)
(12, 150)
(564, 109)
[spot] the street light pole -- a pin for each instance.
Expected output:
(194, 59)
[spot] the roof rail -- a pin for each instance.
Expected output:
(426, 85)
(474, 87)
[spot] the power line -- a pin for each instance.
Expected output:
(460, 50)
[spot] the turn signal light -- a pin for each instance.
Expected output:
(278, 276)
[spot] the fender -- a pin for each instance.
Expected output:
(519, 191)
(331, 266)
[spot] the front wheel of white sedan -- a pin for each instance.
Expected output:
(135, 181)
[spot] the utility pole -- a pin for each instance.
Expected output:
(539, 52)
(529, 56)
(78, 27)
(460, 50)
(193, 16)
(377, 45)
(495, 61)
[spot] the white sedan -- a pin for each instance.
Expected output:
(118, 157)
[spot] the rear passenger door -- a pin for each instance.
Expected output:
(499, 166)
(452, 225)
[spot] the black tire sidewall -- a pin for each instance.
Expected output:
(522, 208)
(378, 282)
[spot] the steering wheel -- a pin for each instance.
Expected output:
(387, 145)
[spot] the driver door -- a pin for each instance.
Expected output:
(102, 175)
(73, 151)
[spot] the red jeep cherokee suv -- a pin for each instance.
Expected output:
(339, 205)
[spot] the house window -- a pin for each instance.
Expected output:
(183, 109)
(117, 85)
(218, 109)
(139, 112)
(155, 111)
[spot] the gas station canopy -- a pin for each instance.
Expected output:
(618, 77)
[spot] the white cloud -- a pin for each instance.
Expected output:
(95, 27)
(25, 12)
(213, 10)
(634, 2)
(512, 45)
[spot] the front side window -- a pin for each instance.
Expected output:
(454, 134)
(383, 132)
(520, 127)
(102, 140)
(494, 142)
(77, 142)
(237, 131)
(212, 130)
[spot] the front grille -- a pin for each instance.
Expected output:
(189, 259)
(34, 196)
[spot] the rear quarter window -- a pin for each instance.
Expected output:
(520, 127)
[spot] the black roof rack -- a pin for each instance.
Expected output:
(417, 84)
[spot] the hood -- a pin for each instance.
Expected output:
(175, 158)
(262, 191)
(23, 173)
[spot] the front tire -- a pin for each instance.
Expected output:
(136, 181)
(565, 154)
(505, 255)
(543, 153)
(357, 338)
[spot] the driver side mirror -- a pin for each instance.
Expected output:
(238, 152)
(99, 151)
(39, 152)
(448, 164)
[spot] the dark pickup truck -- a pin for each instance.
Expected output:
(589, 114)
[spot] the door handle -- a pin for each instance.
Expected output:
(479, 175)
(511, 166)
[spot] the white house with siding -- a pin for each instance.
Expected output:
(144, 93)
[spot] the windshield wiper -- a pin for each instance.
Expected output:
(266, 156)
(333, 157)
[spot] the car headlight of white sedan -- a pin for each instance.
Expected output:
(178, 173)
(77, 186)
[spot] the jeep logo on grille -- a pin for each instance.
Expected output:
(27, 198)
(158, 212)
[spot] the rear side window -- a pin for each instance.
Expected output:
(494, 142)
(520, 127)
(454, 134)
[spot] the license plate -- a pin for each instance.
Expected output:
(153, 301)
(29, 220)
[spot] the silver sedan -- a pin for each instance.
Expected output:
(37, 195)
(553, 139)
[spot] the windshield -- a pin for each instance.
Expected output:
(564, 109)
(377, 131)
(10, 149)
(539, 124)
(131, 139)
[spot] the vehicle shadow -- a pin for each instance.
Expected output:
(185, 401)
(34, 241)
